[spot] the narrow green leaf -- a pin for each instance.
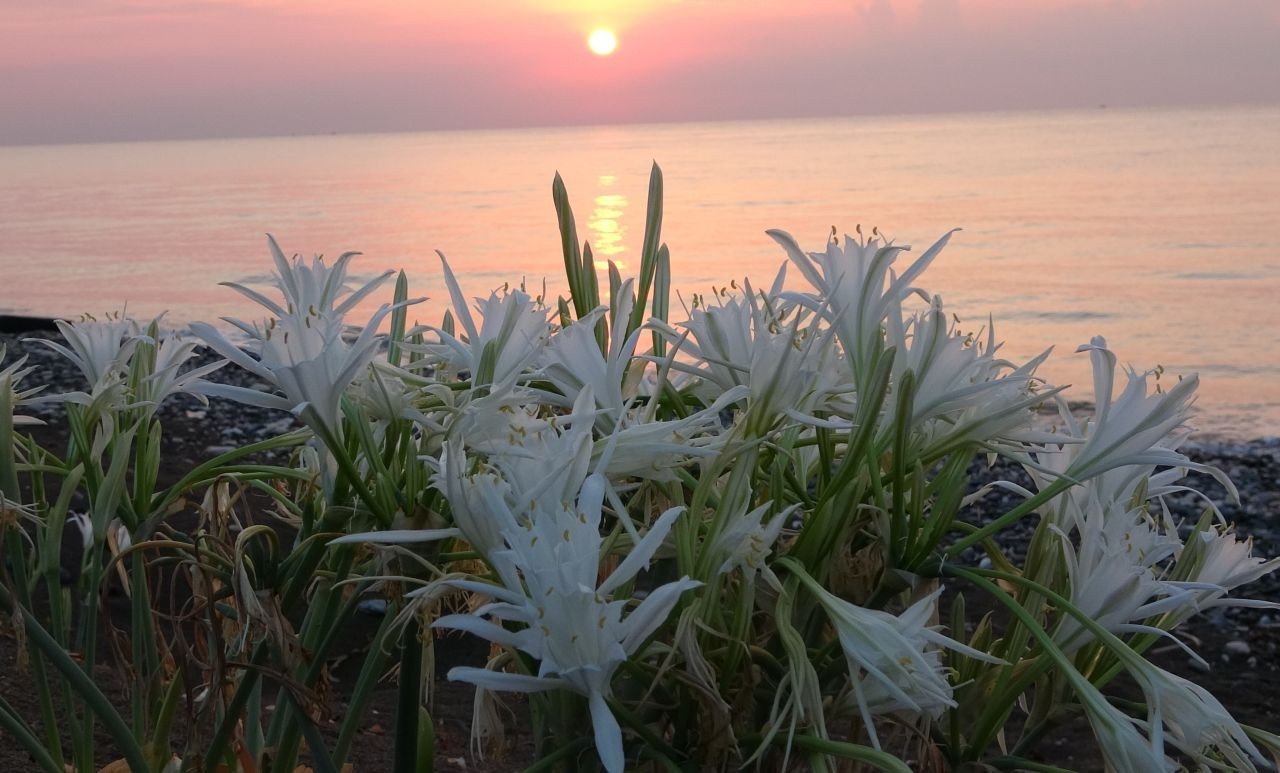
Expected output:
(569, 246)
(649, 252)
(399, 317)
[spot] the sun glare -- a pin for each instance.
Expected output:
(602, 42)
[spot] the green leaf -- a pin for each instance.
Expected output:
(399, 317)
(649, 252)
(569, 246)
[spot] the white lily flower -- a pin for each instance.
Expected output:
(1216, 562)
(572, 361)
(479, 503)
(115, 532)
(578, 636)
(720, 343)
(1124, 748)
(1197, 722)
(1113, 573)
(172, 352)
(101, 350)
(13, 373)
(387, 396)
(788, 367)
(652, 450)
(309, 289)
(746, 540)
(512, 325)
(856, 288)
(1229, 562)
(962, 391)
(302, 351)
(305, 358)
(894, 662)
(1134, 428)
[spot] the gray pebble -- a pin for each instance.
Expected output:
(1236, 647)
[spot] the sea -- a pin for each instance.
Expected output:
(1156, 228)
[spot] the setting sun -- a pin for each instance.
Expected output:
(602, 42)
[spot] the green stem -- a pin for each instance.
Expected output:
(407, 705)
(82, 684)
(1028, 506)
(48, 717)
(12, 724)
(563, 753)
(363, 690)
(849, 751)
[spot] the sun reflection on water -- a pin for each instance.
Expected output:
(605, 224)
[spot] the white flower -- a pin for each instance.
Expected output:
(101, 350)
(305, 358)
(302, 351)
(387, 396)
(577, 634)
(961, 391)
(1124, 748)
(894, 663)
(1214, 563)
(171, 353)
(1197, 721)
(513, 329)
(1134, 428)
(309, 289)
(746, 540)
(856, 288)
(652, 450)
(9, 378)
(1113, 575)
(788, 367)
(572, 361)
(1229, 562)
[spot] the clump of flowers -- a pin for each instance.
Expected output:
(741, 537)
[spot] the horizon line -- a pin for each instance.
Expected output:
(1099, 107)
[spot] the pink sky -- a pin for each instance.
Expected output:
(75, 70)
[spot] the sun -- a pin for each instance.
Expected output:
(602, 42)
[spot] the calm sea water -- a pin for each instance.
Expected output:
(1157, 228)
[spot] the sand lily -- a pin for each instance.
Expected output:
(171, 353)
(1195, 720)
(1124, 748)
(654, 450)
(306, 359)
(747, 539)
(302, 351)
(10, 375)
(577, 634)
(1113, 572)
(572, 361)
(388, 395)
(100, 350)
(309, 288)
(725, 551)
(512, 331)
(1134, 428)
(961, 391)
(894, 662)
(1217, 562)
(856, 288)
(788, 367)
